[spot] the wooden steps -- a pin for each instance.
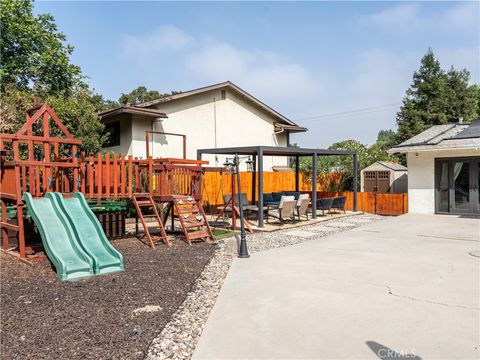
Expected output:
(145, 200)
(191, 216)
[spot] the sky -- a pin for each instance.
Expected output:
(338, 68)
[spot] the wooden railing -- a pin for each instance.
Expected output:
(102, 177)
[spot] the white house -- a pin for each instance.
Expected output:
(384, 177)
(444, 169)
(220, 115)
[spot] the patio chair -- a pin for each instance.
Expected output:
(269, 200)
(324, 204)
(339, 203)
(243, 198)
(285, 210)
(302, 206)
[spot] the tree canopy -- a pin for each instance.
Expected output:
(436, 97)
(36, 61)
(34, 54)
(367, 155)
(142, 94)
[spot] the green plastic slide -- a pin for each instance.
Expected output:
(90, 235)
(70, 260)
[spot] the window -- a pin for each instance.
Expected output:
(224, 94)
(112, 130)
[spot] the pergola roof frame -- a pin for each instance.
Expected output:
(258, 152)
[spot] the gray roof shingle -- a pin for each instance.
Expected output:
(438, 137)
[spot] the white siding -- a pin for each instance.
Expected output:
(421, 178)
(125, 146)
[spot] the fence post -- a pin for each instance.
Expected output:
(355, 180)
(314, 186)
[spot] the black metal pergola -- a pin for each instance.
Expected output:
(258, 152)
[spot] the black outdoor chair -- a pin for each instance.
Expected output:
(339, 203)
(245, 203)
(324, 204)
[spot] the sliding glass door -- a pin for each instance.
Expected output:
(457, 182)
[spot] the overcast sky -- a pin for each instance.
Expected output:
(341, 69)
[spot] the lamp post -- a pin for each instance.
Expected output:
(235, 165)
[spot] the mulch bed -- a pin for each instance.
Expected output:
(42, 317)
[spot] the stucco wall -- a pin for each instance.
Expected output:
(209, 121)
(421, 178)
(125, 146)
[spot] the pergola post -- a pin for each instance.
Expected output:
(254, 179)
(314, 186)
(260, 186)
(297, 171)
(355, 180)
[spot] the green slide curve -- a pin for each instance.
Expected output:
(59, 240)
(90, 235)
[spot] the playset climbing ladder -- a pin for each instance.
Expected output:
(192, 217)
(143, 201)
(34, 161)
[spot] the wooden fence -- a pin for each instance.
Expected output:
(215, 185)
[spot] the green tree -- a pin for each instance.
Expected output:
(100, 103)
(36, 61)
(138, 95)
(79, 106)
(461, 97)
(386, 139)
(367, 155)
(75, 111)
(436, 97)
(142, 94)
(34, 54)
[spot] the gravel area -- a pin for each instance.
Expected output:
(180, 336)
(268, 240)
(106, 317)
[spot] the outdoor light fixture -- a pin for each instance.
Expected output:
(232, 166)
(229, 165)
(243, 252)
(249, 163)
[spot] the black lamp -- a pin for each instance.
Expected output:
(232, 166)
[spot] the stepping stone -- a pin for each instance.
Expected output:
(300, 233)
(360, 220)
(147, 309)
(338, 224)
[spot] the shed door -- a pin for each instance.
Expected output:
(376, 181)
(383, 182)
(369, 181)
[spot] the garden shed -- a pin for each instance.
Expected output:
(385, 177)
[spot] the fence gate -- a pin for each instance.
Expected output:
(376, 181)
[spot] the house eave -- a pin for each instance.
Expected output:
(131, 110)
(228, 85)
(423, 148)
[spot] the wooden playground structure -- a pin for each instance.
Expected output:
(34, 161)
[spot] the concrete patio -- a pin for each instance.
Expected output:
(405, 287)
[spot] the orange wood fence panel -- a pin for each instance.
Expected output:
(215, 185)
